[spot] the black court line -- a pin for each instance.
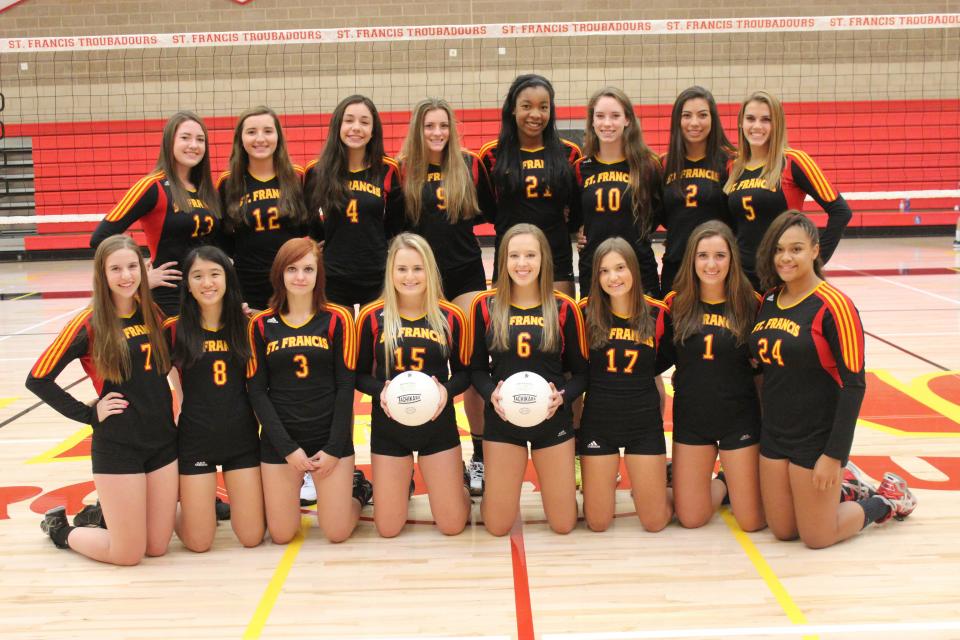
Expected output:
(39, 404)
(899, 348)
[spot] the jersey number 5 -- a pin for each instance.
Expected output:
(763, 345)
(747, 203)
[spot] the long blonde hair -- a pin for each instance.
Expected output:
(111, 355)
(776, 145)
(392, 321)
(460, 194)
(599, 310)
(500, 314)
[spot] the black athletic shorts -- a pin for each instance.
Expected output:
(542, 436)
(393, 439)
(269, 455)
(190, 466)
(462, 279)
(738, 437)
(116, 458)
(643, 442)
(348, 291)
(805, 455)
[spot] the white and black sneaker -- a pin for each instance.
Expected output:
(308, 492)
(473, 477)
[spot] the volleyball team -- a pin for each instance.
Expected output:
(275, 292)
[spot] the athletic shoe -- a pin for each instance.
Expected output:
(855, 486)
(308, 492)
(722, 477)
(223, 509)
(362, 488)
(90, 516)
(54, 522)
(413, 487)
(474, 477)
(669, 473)
(894, 491)
(577, 472)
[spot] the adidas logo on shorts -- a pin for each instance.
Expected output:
(745, 436)
(563, 432)
(593, 445)
(200, 464)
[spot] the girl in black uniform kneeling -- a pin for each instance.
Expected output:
(808, 340)
(624, 403)
(524, 325)
(119, 342)
(216, 424)
(301, 386)
(413, 329)
(715, 403)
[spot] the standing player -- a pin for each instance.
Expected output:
(768, 177)
(355, 189)
(529, 166)
(624, 405)
(176, 204)
(715, 404)
(695, 170)
(524, 325)
(808, 341)
(301, 386)
(119, 342)
(618, 183)
(414, 329)
(262, 202)
(216, 426)
(445, 193)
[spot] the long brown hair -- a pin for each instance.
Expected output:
(641, 159)
(292, 250)
(766, 253)
(291, 193)
(330, 192)
(111, 355)
(688, 308)
(460, 193)
(599, 310)
(719, 149)
(776, 146)
(500, 314)
(199, 174)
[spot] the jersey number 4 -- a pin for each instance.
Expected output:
(352, 211)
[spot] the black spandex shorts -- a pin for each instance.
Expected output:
(540, 437)
(462, 279)
(269, 455)
(400, 441)
(190, 466)
(644, 442)
(804, 455)
(116, 458)
(348, 292)
(737, 438)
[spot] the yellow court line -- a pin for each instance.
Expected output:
(766, 572)
(906, 434)
(7, 401)
(50, 455)
(21, 297)
(270, 594)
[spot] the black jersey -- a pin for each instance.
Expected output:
(355, 239)
(147, 423)
(301, 379)
(691, 198)
(490, 366)
(622, 394)
(535, 202)
(419, 348)
(715, 380)
(605, 205)
(753, 206)
(216, 419)
(811, 354)
(170, 233)
(454, 245)
(263, 229)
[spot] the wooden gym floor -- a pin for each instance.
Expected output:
(898, 580)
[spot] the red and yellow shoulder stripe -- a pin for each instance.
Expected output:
(133, 196)
(653, 302)
(299, 170)
(223, 176)
(457, 312)
(583, 302)
(310, 165)
(169, 322)
(578, 318)
(669, 298)
(366, 310)
(48, 360)
(847, 321)
(488, 147)
(477, 301)
(819, 181)
(251, 328)
(349, 333)
(575, 153)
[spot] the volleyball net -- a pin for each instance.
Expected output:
(874, 99)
